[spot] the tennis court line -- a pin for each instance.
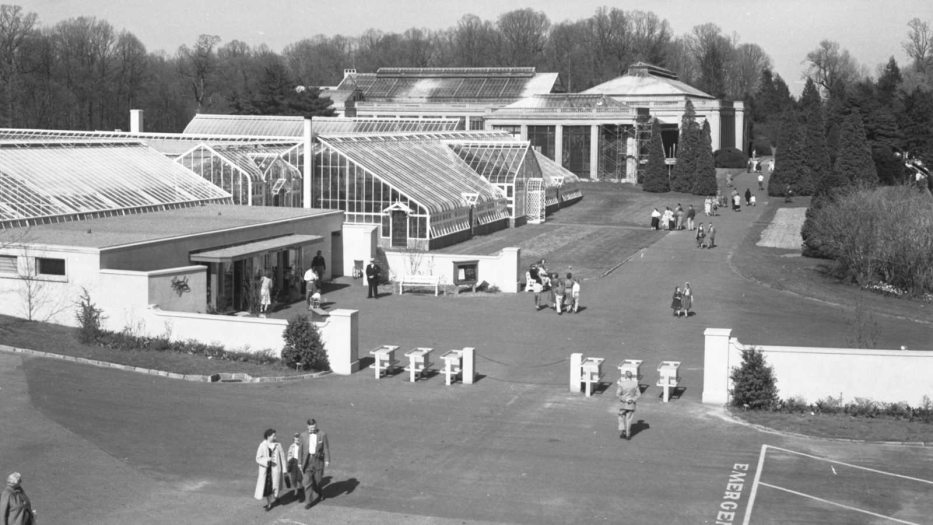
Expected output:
(754, 491)
(876, 471)
(761, 460)
(847, 507)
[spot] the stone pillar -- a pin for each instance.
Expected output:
(716, 366)
(594, 152)
(306, 171)
(511, 272)
(576, 368)
(559, 144)
(467, 366)
(340, 335)
(715, 125)
(740, 140)
(524, 132)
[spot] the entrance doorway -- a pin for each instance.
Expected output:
(399, 229)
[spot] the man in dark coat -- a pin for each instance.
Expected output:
(314, 455)
(373, 273)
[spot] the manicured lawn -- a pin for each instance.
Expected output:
(63, 340)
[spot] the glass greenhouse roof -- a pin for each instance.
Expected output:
(553, 173)
(48, 181)
(265, 126)
(498, 162)
(568, 103)
(490, 83)
(169, 144)
(424, 168)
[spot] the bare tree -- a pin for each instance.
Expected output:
(713, 53)
(745, 68)
(476, 43)
(319, 61)
(15, 28)
(524, 34)
(919, 44)
(828, 65)
(197, 65)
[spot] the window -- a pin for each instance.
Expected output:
(8, 264)
(46, 266)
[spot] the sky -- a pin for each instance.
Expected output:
(871, 30)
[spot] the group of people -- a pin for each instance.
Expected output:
(737, 199)
(314, 281)
(706, 238)
(300, 470)
(563, 292)
(682, 302)
(676, 219)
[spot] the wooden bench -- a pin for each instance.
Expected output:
(419, 361)
(384, 359)
(419, 280)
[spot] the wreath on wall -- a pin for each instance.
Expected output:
(180, 285)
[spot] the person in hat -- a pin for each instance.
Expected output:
(372, 278)
(15, 507)
(628, 392)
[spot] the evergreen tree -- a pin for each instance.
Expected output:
(888, 82)
(854, 160)
(753, 383)
(684, 172)
(788, 160)
(656, 179)
(705, 181)
(815, 154)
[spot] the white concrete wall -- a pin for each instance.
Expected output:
(359, 243)
(500, 270)
(814, 373)
(53, 297)
(339, 333)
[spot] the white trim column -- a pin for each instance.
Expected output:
(306, 172)
(559, 144)
(594, 152)
(740, 126)
(716, 366)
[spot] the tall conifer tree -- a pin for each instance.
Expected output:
(705, 181)
(788, 162)
(684, 172)
(815, 154)
(854, 160)
(656, 180)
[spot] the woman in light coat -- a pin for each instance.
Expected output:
(271, 461)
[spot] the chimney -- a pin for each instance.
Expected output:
(348, 72)
(136, 121)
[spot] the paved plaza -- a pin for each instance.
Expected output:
(105, 446)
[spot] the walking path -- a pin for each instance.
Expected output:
(516, 447)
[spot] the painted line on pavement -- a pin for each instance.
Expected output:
(754, 491)
(847, 507)
(876, 471)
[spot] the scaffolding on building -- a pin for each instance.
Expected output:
(642, 138)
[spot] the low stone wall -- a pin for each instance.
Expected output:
(814, 373)
(339, 333)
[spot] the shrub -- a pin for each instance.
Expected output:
(877, 235)
(89, 317)
(753, 383)
(303, 346)
(730, 158)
